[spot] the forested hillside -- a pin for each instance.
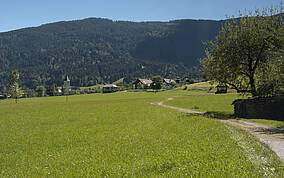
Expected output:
(96, 50)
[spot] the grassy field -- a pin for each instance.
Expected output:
(90, 87)
(221, 103)
(205, 87)
(122, 135)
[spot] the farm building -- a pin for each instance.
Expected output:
(110, 88)
(2, 97)
(260, 107)
(167, 83)
(142, 84)
(221, 88)
(182, 81)
(178, 80)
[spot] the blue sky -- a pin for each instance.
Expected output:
(15, 14)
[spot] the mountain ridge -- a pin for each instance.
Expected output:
(99, 50)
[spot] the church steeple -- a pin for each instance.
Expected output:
(66, 84)
(67, 78)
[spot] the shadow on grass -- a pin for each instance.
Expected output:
(219, 115)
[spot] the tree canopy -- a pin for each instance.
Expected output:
(14, 89)
(247, 54)
(157, 82)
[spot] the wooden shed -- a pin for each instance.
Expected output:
(109, 88)
(221, 88)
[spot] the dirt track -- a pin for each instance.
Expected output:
(177, 108)
(273, 137)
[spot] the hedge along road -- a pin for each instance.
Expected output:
(271, 136)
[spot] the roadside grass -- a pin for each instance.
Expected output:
(272, 123)
(122, 135)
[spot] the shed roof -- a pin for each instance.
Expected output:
(168, 81)
(145, 81)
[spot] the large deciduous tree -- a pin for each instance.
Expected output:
(247, 54)
(14, 89)
(157, 82)
(51, 90)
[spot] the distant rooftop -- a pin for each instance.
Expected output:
(145, 81)
(110, 86)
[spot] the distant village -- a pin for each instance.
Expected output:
(137, 85)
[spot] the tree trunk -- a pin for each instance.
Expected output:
(251, 77)
(252, 85)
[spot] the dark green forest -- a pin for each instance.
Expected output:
(95, 50)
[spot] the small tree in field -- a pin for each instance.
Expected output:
(14, 89)
(157, 82)
(41, 91)
(247, 54)
(51, 90)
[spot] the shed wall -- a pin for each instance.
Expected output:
(260, 107)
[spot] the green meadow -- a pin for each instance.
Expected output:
(221, 103)
(123, 135)
(217, 105)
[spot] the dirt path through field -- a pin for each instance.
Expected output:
(273, 137)
(176, 108)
